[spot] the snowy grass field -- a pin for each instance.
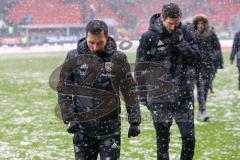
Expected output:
(30, 130)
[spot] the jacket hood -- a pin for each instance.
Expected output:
(156, 24)
(110, 48)
(205, 20)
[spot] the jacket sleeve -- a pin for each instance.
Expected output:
(62, 98)
(235, 46)
(217, 49)
(142, 56)
(68, 80)
(127, 83)
(144, 47)
(189, 48)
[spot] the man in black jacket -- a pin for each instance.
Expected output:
(206, 69)
(166, 54)
(88, 94)
(236, 53)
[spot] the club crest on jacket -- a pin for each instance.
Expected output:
(108, 66)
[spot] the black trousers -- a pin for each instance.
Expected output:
(163, 116)
(88, 148)
(203, 84)
(211, 82)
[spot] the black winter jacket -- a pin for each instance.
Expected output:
(206, 66)
(173, 63)
(95, 80)
(209, 47)
(236, 48)
(216, 47)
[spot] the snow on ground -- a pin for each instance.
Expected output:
(30, 129)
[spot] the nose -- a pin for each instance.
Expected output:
(172, 27)
(95, 47)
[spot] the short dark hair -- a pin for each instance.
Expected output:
(171, 10)
(96, 27)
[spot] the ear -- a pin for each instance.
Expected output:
(107, 36)
(161, 18)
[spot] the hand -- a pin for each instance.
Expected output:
(133, 130)
(73, 127)
(177, 36)
(183, 46)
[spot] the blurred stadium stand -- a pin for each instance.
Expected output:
(30, 22)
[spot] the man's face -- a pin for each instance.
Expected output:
(200, 27)
(96, 42)
(171, 23)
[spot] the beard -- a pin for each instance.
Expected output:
(98, 51)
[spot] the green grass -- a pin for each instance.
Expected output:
(30, 129)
